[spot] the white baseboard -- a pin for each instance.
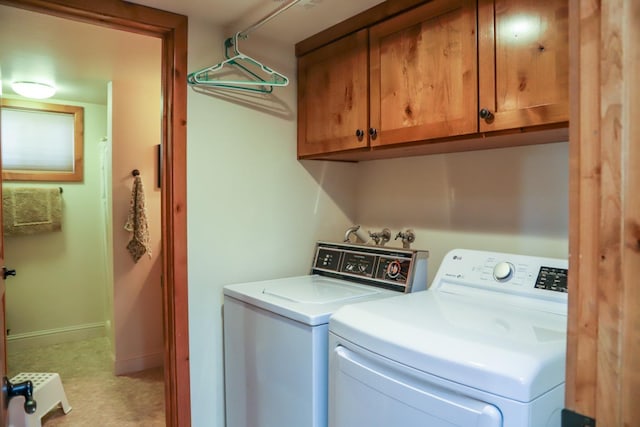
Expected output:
(19, 342)
(139, 363)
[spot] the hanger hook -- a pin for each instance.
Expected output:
(232, 42)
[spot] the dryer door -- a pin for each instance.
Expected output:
(368, 390)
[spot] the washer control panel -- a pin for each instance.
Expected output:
(506, 273)
(398, 269)
(554, 279)
(503, 271)
(358, 263)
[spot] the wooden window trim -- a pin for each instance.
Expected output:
(78, 143)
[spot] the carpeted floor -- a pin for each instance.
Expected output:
(98, 398)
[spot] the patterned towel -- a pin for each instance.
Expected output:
(137, 222)
(31, 210)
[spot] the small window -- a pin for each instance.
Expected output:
(41, 142)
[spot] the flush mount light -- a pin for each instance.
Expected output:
(33, 89)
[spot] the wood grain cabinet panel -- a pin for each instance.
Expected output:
(423, 78)
(523, 62)
(333, 96)
(440, 76)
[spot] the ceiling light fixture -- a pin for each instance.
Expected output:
(33, 90)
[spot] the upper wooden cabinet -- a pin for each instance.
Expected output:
(523, 63)
(332, 97)
(439, 76)
(423, 80)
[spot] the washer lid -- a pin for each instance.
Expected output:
(487, 344)
(319, 291)
(308, 299)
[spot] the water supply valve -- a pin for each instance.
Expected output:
(408, 237)
(381, 237)
(359, 232)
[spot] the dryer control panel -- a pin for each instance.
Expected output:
(521, 275)
(403, 270)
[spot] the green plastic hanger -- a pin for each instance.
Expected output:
(260, 78)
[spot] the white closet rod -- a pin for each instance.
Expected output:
(269, 17)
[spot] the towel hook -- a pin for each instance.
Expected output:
(135, 172)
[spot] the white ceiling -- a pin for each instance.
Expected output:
(80, 58)
(302, 20)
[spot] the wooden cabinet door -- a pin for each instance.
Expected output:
(523, 60)
(423, 81)
(333, 97)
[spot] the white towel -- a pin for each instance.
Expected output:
(137, 222)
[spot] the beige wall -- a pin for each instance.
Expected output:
(507, 200)
(249, 203)
(59, 292)
(137, 295)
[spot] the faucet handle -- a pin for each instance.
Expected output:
(381, 237)
(407, 237)
(410, 236)
(386, 236)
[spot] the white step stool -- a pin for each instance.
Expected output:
(47, 392)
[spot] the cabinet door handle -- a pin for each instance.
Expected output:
(486, 114)
(359, 133)
(373, 132)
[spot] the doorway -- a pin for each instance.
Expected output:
(171, 29)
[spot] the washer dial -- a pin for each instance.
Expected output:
(503, 271)
(394, 269)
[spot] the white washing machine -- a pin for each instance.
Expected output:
(276, 331)
(483, 347)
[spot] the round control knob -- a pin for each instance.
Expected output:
(393, 269)
(503, 271)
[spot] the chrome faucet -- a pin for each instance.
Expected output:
(349, 232)
(407, 237)
(381, 237)
(361, 235)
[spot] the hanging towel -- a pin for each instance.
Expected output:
(137, 222)
(29, 210)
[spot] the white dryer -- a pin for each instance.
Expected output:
(483, 347)
(276, 331)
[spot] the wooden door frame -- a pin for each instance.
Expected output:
(603, 363)
(172, 29)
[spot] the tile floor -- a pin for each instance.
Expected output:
(98, 398)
